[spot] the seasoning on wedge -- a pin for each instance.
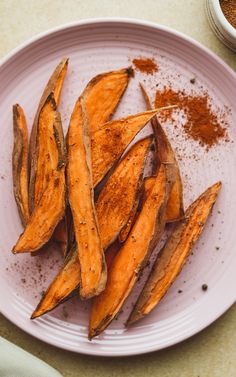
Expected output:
(132, 257)
(111, 140)
(174, 254)
(51, 181)
(53, 86)
(126, 182)
(165, 154)
(102, 95)
(120, 195)
(81, 198)
(20, 163)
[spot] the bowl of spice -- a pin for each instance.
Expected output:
(222, 17)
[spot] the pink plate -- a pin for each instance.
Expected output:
(93, 47)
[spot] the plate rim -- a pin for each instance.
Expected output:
(133, 22)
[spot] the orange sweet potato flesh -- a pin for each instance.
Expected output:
(20, 163)
(53, 86)
(81, 199)
(165, 154)
(126, 178)
(102, 95)
(111, 140)
(51, 168)
(132, 257)
(120, 195)
(174, 254)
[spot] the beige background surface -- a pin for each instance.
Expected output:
(212, 353)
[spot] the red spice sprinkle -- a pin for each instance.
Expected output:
(145, 65)
(202, 124)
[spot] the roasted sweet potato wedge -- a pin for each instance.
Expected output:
(132, 257)
(53, 86)
(120, 195)
(20, 163)
(51, 174)
(122, 187)
(81, 198)
(102, 95)
(165, 154)
(172, 257)
(109, 143)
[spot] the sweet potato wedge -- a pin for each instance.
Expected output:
(53, 86)
(165, 153)
(132, 257)
(102, 95)
(120, 195)
(81, 199)
(109, 143)
(20, 163)
(51, 168)
(174, 254)
(125, 180)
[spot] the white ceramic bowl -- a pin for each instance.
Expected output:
(220, 25)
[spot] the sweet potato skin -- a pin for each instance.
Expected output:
(165, 154)
(173, 256)
(127, 265)
(51, 205)
(102, 96)
(81, 198)
(20, 163)
(53, 86)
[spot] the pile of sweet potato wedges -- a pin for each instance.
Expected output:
(106, 239)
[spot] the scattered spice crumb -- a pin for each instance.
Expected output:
(204, 287)
(217, 248)
(2, 177)
(180, 291)
(42, 293)
(193, 80)
(145, 65)
(23, 280)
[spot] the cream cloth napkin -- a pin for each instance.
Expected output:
(15, 362)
